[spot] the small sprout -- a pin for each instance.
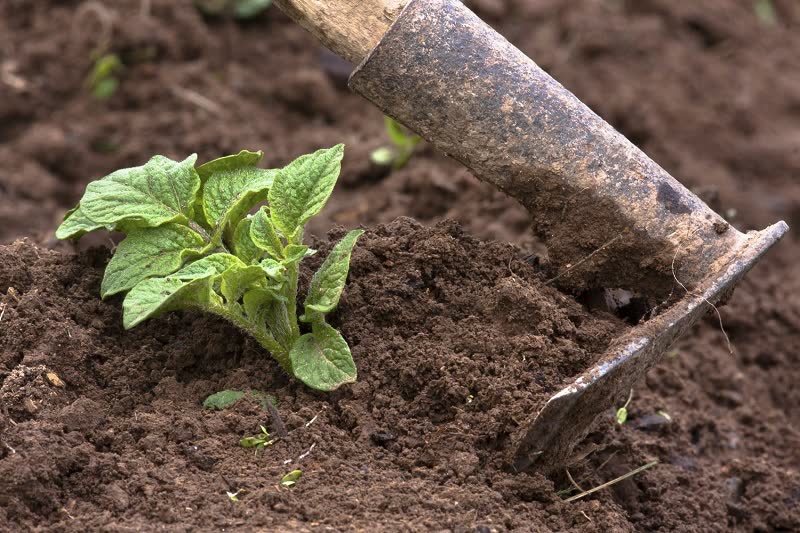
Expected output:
(104, 146)
(665, 415)
(622, 412)
(290, 479)
(404, 143)
(234, 496)
(258, 441)
(241, 9)
(103, 81)
(470, 398)
(383, 156)
(765, 12)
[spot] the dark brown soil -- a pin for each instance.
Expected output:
(706, 88)
(457, 343)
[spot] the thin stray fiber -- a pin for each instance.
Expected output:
(612, 482)
(579, 263)
(719, 316)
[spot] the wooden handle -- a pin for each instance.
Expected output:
(349, 28)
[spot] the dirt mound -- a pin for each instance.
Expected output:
(457, 343)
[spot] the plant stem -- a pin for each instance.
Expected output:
(293, 272)
(259, 332)
(613, 481)
(282, 326)
(200, 229)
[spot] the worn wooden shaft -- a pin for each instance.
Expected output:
(349, 28)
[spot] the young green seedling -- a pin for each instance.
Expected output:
(290, 479)
(259, 441)
(103, 81)
(234, 496)
(765, 11)
(403, 147)
(622, 412)
(241, 9)
(191, 244)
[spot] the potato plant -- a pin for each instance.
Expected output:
(192, 244)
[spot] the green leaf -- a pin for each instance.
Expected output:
(256, 302)
(263, 397)
(238, 279)
(243, 158)
(161, 191)
(765, 12)
(268, 306)
(396, 132)
(273, 269)
(243, 246)
(234, 274)
(246, 9)
(321, 359)
(264, 235)
(211, 265)
(228, 162)
(302, 188)
(223, 399)
(328, 282)
(189, 287)
(250, 442)
(105, 88)
(296, 252)
(156, 296)
(104, 68)
(76, 224)
(149, 252)
(290, 479)
(231, 192)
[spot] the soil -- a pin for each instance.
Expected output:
(118, 439)
(457, 343)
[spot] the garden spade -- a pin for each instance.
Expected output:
(611, 217)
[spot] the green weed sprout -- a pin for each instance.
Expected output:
(622, 412)
(403, 147)
(262, 440)
(191, 244)
(103, 81)
(290, 479)
(765, 11)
